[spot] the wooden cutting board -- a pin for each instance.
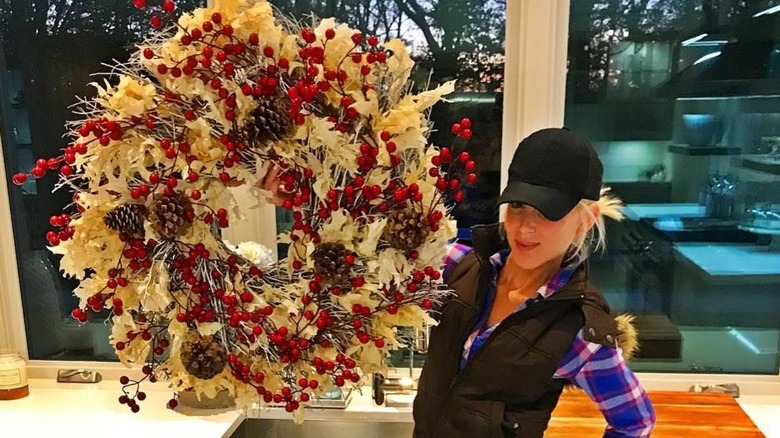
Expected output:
(678, 415)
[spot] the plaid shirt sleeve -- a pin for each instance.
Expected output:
(604, 375)
(455, 253)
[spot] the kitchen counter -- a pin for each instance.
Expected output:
(731, 260)
(79, 410)
(85, 410)
(640, 211)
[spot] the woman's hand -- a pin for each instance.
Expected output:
(273, 184)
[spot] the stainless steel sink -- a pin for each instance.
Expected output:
(256, 428)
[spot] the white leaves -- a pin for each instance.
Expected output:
(367, 243)
(391, 266)
(339, 228)
(153, 294)
(209, 328)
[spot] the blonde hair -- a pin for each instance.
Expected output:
(595, 239)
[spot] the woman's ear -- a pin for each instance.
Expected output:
(589, 216)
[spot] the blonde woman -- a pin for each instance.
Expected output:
(525, 321)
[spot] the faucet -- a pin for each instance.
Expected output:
(381, 384)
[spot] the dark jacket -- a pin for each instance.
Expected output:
(507, 388)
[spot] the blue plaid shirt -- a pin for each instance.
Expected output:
(600, 371)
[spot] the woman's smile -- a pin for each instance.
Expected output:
(525, 245)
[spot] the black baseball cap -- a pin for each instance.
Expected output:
(553, 170)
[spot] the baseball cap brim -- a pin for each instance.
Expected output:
(553, 204)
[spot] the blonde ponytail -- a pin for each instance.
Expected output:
(595, 239)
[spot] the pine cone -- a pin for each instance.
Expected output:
(329, 262)
(202, 356)
(169, 215)
(406, 229)
(127, 219)
(270, 121)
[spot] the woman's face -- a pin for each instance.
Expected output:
(536, 241)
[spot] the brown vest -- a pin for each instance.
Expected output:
(507, 388)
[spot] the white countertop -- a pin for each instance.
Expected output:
(74, 410)
(80, 410)
(61, 410)
(640, 211)
(721, 259)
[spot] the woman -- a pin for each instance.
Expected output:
(525, 321)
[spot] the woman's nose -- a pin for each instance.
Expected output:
(525, 221)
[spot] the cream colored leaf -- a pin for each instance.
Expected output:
(367, 244)
(209, 328)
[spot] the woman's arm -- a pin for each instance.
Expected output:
(604, 375)
(455, 253)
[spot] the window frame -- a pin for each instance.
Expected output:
(534, 97)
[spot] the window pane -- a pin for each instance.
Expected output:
(682, 100)
(48, 49)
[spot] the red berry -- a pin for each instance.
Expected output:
(254, 40)
(172, 403)
(373, 40)
(466, 134)
(330, 34)
(471, 178)
(456, 128)
(308, 35)
(155, 22)
(357, 38)
(148, 53)
(380, 343)
(464, 157)
(140, 4)
(19, 178)
(168, 6)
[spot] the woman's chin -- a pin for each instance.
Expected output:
(525, 260)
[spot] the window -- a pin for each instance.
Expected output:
(682, 100)
(48, 50)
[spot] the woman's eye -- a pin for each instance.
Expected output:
(517, 205)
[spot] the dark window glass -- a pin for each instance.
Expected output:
(682, 100)
(48, 50)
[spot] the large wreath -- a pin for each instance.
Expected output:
(220, 97)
